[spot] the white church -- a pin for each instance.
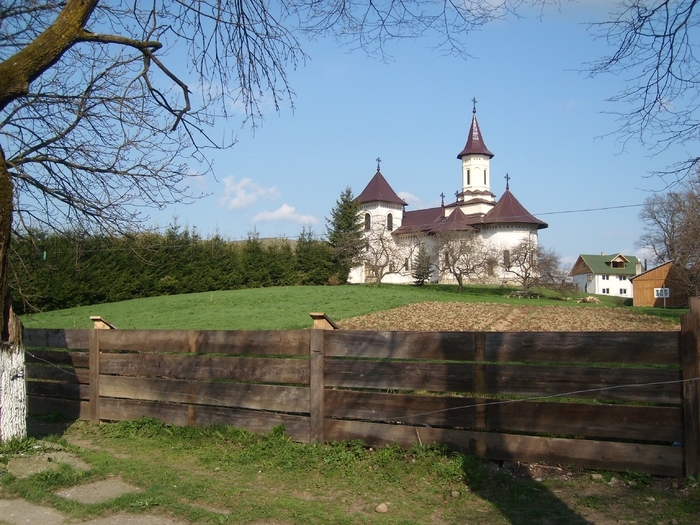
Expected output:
(394, 233)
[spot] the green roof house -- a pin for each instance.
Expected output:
(605, 274)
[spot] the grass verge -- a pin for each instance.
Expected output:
(226, 475)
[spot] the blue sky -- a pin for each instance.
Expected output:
(546, 122)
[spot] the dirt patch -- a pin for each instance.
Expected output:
(467, 317)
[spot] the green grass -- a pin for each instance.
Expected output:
(201, 474)
(287, 308)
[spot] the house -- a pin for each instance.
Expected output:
(393, 235)
(605, 274)
(659, 286)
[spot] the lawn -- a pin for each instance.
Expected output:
(287, 308)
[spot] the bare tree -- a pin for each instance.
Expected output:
(655, 52)
(529, 264)
(462, 255)
(382, 255)
(672, 232)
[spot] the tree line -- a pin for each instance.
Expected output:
(57, 270)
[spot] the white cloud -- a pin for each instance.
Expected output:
(285, 213)
(411, 199)
(239, 195)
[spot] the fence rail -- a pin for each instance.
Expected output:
(612, 400)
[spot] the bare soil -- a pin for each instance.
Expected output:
(466, 317)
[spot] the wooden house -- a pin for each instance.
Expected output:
(651, 286)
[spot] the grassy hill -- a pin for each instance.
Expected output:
(284, 308)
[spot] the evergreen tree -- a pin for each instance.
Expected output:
(422, 266)
(344, 230)
(313, 258)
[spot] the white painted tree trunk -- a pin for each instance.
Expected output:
(13, 392)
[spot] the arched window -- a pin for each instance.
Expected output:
(390, 222)
(506, 258)
(367, 222)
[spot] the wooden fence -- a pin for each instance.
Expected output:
(603, 400)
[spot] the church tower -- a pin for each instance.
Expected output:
(476, 196)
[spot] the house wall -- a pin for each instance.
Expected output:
(661, 277)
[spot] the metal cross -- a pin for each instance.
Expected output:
(378, 162)
(474, 101)
(442, 196)
(507, 177)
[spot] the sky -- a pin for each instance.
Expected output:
(547, 123)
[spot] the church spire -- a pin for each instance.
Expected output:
(475, 142)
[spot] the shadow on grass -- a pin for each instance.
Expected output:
(520, 499)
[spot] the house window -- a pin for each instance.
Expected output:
(589, 277)
(605, 277)
(367, 222)
(623, 277)
(390, 222)
(618, 264)
(623, 291)
(606, 290)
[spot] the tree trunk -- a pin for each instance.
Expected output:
(13, 393)
(13, 405)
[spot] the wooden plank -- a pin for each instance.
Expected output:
(125, 410)
(691, 392)
(58, 390)
(653, 459)
(235, 342)
(54, 373)
(317, 385)
(567, 419)
(251, 369)
(69, 408)
(586, 382)
(56, 338)
(94, 374)
(399, 375)
(454, 346)
(659, 348)
(78, 359)
(241, 395)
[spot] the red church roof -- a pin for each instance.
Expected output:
(475, 142)
(378, 189)
(508, 209)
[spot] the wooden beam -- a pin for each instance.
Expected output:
(94, 373)
(691, 392)
(317, 385)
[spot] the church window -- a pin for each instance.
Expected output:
(506, 258)
(390, 222)
(405, 264)
(468, 177)
(490, 267)
(367, 222)
(485, 177)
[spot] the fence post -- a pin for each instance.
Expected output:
(317, 378)
(694, 304)
(94, 362)
(94, 374)
(690, 350)
(317, 385)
